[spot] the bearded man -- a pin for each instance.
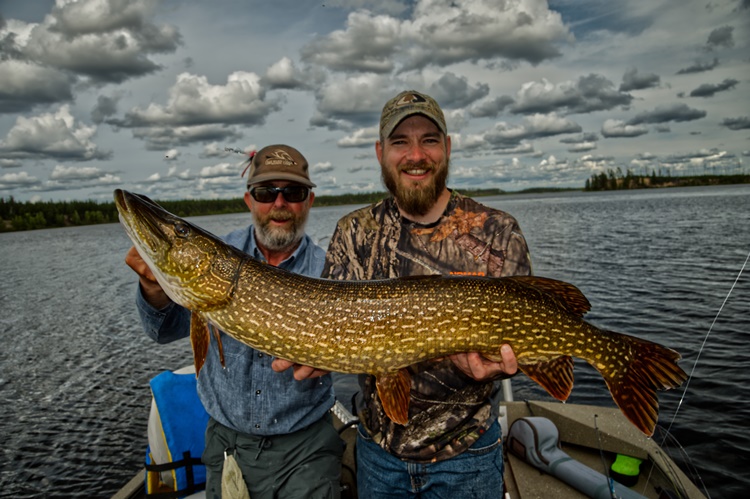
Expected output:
(277, 429)
(451, 446)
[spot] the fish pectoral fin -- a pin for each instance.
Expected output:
(199, 339)
(555, 376)
(394, 390)
(218, 344)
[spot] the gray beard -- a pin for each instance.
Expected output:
(276, 238)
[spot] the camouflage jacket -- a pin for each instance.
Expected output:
(448, 411)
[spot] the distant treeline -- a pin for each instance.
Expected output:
(16, 215)
(617, 180)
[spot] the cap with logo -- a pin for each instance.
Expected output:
(279, 162)
(406, 104)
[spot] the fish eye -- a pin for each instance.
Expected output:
(181, 229)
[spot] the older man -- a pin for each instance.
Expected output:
(279, 430)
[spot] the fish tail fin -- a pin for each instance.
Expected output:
(633, 385)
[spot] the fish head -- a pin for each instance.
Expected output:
(195, 268)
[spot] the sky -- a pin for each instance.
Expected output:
(165, 98)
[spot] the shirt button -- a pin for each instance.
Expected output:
(257, 392)
(257, 426)
(260, 355)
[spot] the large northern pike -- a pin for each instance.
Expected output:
(381, 327)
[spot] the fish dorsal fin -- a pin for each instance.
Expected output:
(565, 294)
(393, 390)
(419, 277)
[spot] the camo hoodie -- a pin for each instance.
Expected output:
(448, 411)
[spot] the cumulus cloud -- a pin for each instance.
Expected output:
(699, 67)
(367, 44)
(475, 30)
(9, 181)
(618, 128)
(24, 85)
(394, 7)
(104, 108)
(356, 100)
(51, 135)
(104, 40)
(709, 90)
(491, 108)
(666, 113)
(363, 138)
(62, 173)
(75, 177)
(194, 101)
(582, 143)
(159, 138)
(462, 31)
(283, 74)
(720, 37)
(590, 93)
(632, 80)
(220, 170)
(533, 127)
(197, 111)
(453, 91)
(742, 123)
(323, 167)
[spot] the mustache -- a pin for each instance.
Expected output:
(280, 214)
(424, 164)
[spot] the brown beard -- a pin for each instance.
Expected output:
(416, 198)
(278, 238)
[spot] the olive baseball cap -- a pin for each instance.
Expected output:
(406, 104)
(279, 162)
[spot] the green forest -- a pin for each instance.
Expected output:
(614, 180)
(16, 215)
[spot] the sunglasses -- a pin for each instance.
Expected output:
(291, 193)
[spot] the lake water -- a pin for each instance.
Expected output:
(659, 264)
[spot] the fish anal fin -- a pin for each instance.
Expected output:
(199, 339)
(567, 295)
(393, 390)
(555, 376)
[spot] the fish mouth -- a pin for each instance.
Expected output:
(141, 218)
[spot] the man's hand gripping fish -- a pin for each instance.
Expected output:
(381, 327)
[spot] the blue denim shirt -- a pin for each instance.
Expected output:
(248, 396)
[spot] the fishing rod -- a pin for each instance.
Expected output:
(667, 432)
(705, 340)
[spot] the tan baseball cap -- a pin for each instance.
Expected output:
(406, 104)
(279, 162)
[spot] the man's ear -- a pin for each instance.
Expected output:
(248, 201)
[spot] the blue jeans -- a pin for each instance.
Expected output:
(476, 473)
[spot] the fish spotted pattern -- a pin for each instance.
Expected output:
(381, 327)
